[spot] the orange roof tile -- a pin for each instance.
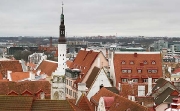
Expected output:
(16, 76)
(83, 61)
(120, 103)
(134, 61)
(84, 103)
(20, 87)
(15, 103)
(12, 65)
(134, 89)
(48, 67)
(68, 63)
(51, 105)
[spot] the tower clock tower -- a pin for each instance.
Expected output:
(58, 84)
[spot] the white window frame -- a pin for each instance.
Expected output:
(135, 80)
(129, 71)
(145, 62)
(124, 71)
(145, 80)
(131, 62)
(123, 62)
(124, 80)
(149, 71)
(153, 62)
(154, 71)
(139, 71)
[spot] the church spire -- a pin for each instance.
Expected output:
(62, 39)
(62, 7)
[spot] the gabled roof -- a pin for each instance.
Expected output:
(84, 60)
(113, 89)
(48, 67)
(19, 87)
(165, 96)
(11, 65)
(135, 60)
(159, 83)
(15, 103)
(92, 76)
(84, 103)
(120, 103)
(51, 105)
(16, 76)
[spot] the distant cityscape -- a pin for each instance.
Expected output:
(92, 73)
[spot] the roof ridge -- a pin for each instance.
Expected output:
(126, 99)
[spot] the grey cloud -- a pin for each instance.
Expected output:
(90, 17)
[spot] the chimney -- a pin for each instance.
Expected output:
(135, 54)
(119, 86)
(9, 75)
(31, 76)
(149, 86)
(50, 41)
(81, 90)
(101, 86)
(38, 72)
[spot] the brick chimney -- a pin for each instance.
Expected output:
(135, 54)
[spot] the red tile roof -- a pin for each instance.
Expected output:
(108, 102)
(83, 61)
(16, 76)
(26, 103)
(84, 103)
(12, 65)
(51, 105)
(15, 103)
(139, 60)
(120, 103)
(68, 63)
(20, 87)
(134, 89)
(48, 67)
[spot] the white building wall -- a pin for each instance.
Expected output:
(161, 107)
(112, 72)
(61, 60)
(100, 79)
(103, 62)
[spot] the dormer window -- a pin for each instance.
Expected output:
(154, 71)
(139, 70)
(153, 62)
(149, 71)
(124, 71)
(131, 62)
(145, 62)
(129, 71)
(123, 62)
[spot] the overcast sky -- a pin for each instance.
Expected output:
(90, 17)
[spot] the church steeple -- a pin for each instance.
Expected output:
(62, 39)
